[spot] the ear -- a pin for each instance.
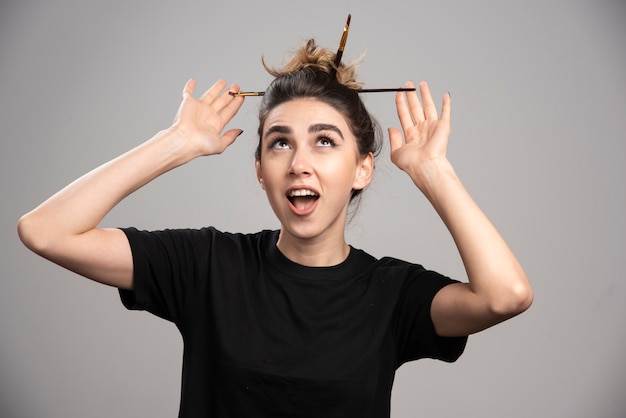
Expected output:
(259, 173)
(364, 172)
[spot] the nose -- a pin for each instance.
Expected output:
(300, 163)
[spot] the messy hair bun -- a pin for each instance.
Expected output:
(310, 57)
(311, 73)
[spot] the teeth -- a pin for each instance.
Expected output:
(302, 192)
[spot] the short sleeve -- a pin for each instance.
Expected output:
(167, 266)
(412, 325)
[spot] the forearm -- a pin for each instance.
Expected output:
(64, 228)
(81, 206)
(495, 275)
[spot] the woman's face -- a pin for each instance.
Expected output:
(309, 166)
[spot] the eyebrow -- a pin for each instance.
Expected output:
(318, 127)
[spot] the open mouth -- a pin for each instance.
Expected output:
(302, 199)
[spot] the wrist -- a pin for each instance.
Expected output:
(429, 176)
(177, 146)
(430, 172)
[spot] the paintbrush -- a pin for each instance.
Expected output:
(261, 93)
(342, 43)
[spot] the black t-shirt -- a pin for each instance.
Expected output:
(266, 337)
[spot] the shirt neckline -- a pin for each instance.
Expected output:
(279, 261)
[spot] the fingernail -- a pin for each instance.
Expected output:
(239, 133)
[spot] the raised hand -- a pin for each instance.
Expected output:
(498, 287)
(425, 133)
(76, 242)
(201, 121)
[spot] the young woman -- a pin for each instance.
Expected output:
(295, 322)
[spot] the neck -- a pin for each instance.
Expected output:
(313, 252)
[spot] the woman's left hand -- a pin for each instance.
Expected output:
(497, 288)
(426, 133)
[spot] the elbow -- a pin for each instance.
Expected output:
(514, 301)
(30, 233)
(523, 298)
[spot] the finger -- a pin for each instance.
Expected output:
(232, 106)
(430, 110)
(395, 140)
(446, 108)
(404, 114)
(213, 91)
(230, 136)
(414, 103)
(225, 98)
(189, 87)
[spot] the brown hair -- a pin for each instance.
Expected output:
(312, 73)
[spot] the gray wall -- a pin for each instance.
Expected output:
(539, 110)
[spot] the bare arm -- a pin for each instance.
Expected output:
(64, 228)
(498, 287)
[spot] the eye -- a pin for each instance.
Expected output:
(325, 141)
(278, 143)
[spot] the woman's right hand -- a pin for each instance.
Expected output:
(64, 228)
(201, 121)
